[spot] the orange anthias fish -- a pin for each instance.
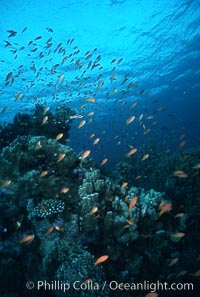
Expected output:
(130, 222)
(45, 119)
(173, 262)
(27, 239)
(101, 259)
(104, 161)
(59, 228)
(76, 116)
(50, 230)
(96, 141)
(133, 202)
(91, 100)
(164, 208)
(146, 156)
(124, 185)
(60, 157)
(85, 154)
(197, 166)
(197, 273)
(5, 183)
(94, 210)
(179, 215)
(64, 190)
(59, 136)
(178, 235)
(81, 124)
(180, 173)
(151, 294)
(130, 120)
(43, 173)
(182, 273)
(131, 152)
(19, 96)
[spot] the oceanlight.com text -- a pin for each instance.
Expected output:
(113, 285)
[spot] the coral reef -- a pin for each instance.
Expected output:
(26, 124)
(73, 214)
(157, 172)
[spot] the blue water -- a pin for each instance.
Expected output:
(159, 43)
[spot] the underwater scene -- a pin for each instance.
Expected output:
(100, 148)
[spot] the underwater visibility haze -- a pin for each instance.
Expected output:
(100, 148)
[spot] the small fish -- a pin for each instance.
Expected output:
(182, 273)
(81, 124)
(132, 152)
(49, 30)
(197, 166)
(38, 37)
(60, 77)
(43, 173)
(8, 76)
(94, 210)
(114, 91)
(25, 28)
(27, 239)
(178, 235)
(150, 117)
(197, 273)
(146, 131)
(180, 173)
(38, 145)
(104, 161)
(85, 154)
(124, 185)
(151, 294)
(100, 84)
(45, 119)
(140, 117)
(91, 100)
(92, 135)
(120, 60)
(179, 215)
(76, 116)
(146, 156)
(130, 222)
(60, 157)
(173, 262)
(96, 141)
(5, 183)
(133, 104)
(87, 281)
(130, 120)
(59, 136)
(91, 113)
(182, 144)
(64, 190)
(18, 224)
(165, 207)
(132, 202)
(4, 109)
(126, 226)
(161, 108)
(50, 230)
(101, 259)
(19, 96)
(59, 228)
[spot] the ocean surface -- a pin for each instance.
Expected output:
(117, 83)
